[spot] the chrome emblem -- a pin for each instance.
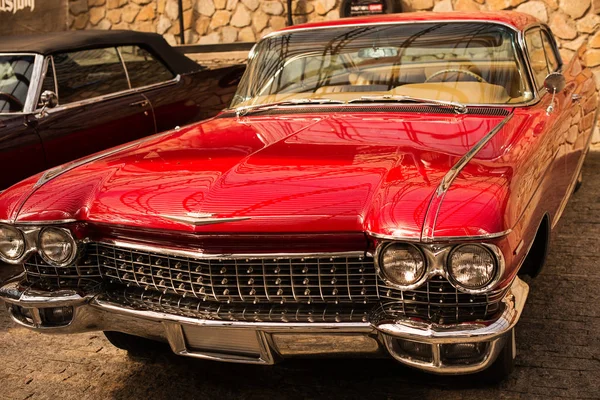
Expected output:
(201, 218)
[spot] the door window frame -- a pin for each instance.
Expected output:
(541, 29)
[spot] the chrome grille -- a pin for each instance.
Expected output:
(440, 302)
(241, 282)
(337, 278)
(139, 299)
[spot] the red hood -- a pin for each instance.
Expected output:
(338, 173)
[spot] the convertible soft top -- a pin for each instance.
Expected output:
(58, 42)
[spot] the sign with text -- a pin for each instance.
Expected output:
(31, 16)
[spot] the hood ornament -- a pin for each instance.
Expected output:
(201, 218)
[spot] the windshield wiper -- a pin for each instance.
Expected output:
(240, 111)
(459, 108)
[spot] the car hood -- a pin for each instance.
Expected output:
(368, 172)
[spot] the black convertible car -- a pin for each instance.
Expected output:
(65, 95)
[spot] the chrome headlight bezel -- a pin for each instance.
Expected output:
(383, 275)
(498, 271)
(70, 238)
(15, 260)
(437, 256)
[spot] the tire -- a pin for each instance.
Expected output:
(136, 346)
(504, 364)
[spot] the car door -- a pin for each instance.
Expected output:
(21, 153)
(553, 122)
(97, 108)
(179, 99)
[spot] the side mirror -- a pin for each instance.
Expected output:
(48, 99)
(555, 83)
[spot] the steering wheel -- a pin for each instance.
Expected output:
(478, 78)
(9, 98)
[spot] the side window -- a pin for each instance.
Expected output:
(550, 54)
(143, 68)
(537, 56)
(87, 74)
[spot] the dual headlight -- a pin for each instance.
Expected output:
(470, 266)
(56, 246)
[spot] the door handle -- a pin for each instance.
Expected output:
(576, 97)
(142, 103)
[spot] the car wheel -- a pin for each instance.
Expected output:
(136, 346)
(504, 364)
(579, 182)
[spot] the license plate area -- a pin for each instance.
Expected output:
(238, 345)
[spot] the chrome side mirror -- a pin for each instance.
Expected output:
(48, 99)
(554, 83)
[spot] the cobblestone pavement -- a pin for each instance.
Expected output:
(558, 347)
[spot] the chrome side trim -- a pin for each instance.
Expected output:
(199, 254)
(427, 234)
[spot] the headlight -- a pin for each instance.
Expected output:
(402, 264)
(12, 243)
(57, 246)
(472, 266)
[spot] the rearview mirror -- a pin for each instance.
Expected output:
(378, 52)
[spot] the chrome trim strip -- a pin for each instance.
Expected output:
(35, 85)
(411, 239)
(124, 67)
(43, 223)
(200, 255)
(427, 234)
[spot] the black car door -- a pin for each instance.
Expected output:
(97, 109)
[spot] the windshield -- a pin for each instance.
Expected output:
(469, 63)
(15, 75)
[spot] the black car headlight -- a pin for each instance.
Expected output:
(401, 264)
(12, 243)
(57, 246)
(472, 266)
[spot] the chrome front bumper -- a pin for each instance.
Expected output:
(269, 342)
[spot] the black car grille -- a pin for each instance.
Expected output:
(337, 279)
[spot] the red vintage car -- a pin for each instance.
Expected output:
(376, 188)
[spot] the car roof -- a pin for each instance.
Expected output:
(512, 18)
(60, 42)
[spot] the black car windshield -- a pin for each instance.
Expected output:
(15, 76)
(463, 62)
